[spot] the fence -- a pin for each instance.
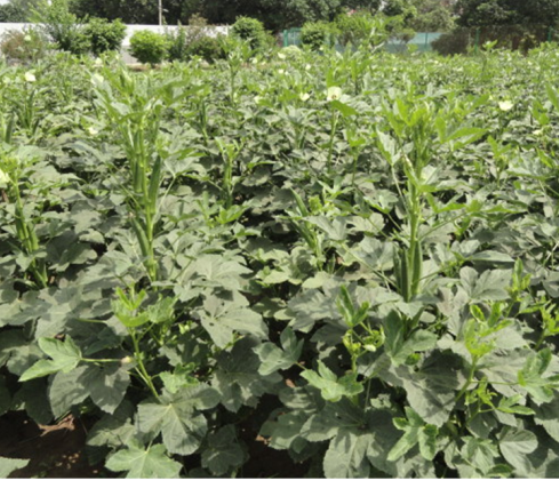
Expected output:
(461, 40)
(514, 37)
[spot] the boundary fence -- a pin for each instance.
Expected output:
(459, 40)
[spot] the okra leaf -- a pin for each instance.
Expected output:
(274, 358)
(140, 462)
(343, 108)
(331, 387)
(237, 379)
(428, 441)
(176, 417)
(114, 430)
(223, 451)
(346, 456)
(531, 377)
(66, 390)
(106, 385)
(397, 347)
(283, 429)
(480, 452)
(65, 357)
(516, 445)
(546, 416)
(10, 465)
(222, 318)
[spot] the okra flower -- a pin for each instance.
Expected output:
(506, 106)
(97, 79)
(4, 179)
(30, 77)
(333, 93)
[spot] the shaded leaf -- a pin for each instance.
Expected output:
(140, 462)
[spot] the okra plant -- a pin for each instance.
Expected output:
(351, 257)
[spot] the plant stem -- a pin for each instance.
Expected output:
(141, 369)
(468, 381)
(334, 123)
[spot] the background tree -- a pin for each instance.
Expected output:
(275, 14)
(507, 12)
(432, 16)
(16, 10)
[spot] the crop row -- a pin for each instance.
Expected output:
(366, 243)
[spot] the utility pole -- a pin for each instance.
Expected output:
(160, 12)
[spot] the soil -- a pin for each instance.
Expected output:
(53, 452)
(58, 451)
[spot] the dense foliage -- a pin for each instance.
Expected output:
(507, 12)
(367, 246)
(276, 14)
(56, 27)
(104, 36)
(26, 45)
(148, 47)
(432, 16)
(251, 31)
(315, 35)
(10, 13)
(424, 15)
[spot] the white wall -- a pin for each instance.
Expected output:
(211, 31)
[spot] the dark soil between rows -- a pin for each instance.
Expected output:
(52, 453)
(58, 451)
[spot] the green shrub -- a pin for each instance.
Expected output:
(149, 47)
(104, 36)
(177, 44)
(73, 40)
(316, 34)
(28, 45)
(292, 52)
(62, 26)
(209, 48)
(356, 27)
(180, 39)
(10, 13)
(252, 31)
(453, 43)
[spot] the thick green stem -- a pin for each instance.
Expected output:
(29, 241)
(468, 381)
(334, 123)
(141, 369)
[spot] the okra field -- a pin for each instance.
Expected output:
(357, 254)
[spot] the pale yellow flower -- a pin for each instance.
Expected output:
(506, 106)
(4, 179)
(333, 93)
(97, 79)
